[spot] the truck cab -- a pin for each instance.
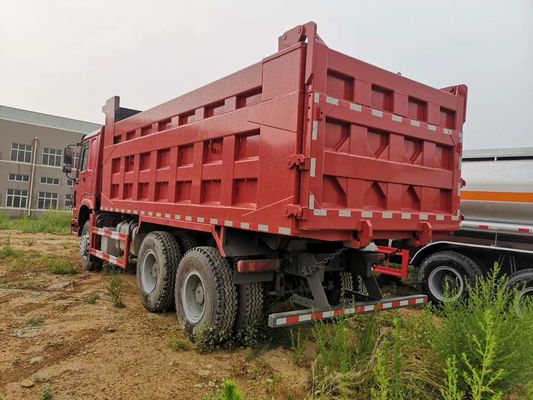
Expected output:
(86, 175)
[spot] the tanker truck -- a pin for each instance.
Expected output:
(497, 226)
(276, 181)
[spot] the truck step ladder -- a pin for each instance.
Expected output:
(121, 262)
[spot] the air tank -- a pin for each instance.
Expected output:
(499, 186)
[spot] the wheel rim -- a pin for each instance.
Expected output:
(193, 297)
(524, 297)
(444, 276)
(84, 246)
(149, 272)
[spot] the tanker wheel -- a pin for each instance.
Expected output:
(186, 240)
(522, 282)
(88, 261)
(250, 301)
(447, 271)
(206, 298)
(157, 263)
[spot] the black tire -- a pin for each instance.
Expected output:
(186, 240)
(157, 263)
(450, 267)
(206, 298)
(250, 302)
(88, 262)
(522, 281)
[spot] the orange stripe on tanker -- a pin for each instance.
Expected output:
(515, 197)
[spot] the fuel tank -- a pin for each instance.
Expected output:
(499, 186)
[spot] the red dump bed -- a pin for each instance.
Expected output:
(308, 142)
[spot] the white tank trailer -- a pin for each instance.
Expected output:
(497, 226)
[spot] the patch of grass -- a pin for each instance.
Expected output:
(36, 321)
(92, 298)
(115, 289)
(298, 345)
(47, 394)
(8, 251)
(375, 356)
(55, 222)
(476, 348)
(178, 344)
(229, 391)
(61, 267)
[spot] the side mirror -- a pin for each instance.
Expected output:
(67, 160)
(67, 156)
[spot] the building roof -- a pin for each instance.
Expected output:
(517, 152)
(50, 121)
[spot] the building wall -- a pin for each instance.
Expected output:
(35, 134)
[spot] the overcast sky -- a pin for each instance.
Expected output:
(67, 57)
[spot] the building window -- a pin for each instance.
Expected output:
(16, 198)
(51, 157)
(70, 182)
(49, 181)
(68, 200)
(75, 159)
(47, 201)
(19, 178)
(21, 152)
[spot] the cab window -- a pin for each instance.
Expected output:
(84, 156)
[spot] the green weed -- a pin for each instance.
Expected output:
(36, 321)
(92, 298)
(61, 267)
(178, 344)
(8, 251)
(229, 391)
(115, 289)
(450, 390)
(487, 337)
(297, 345)
(47, 394)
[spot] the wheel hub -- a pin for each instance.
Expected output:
(149, 272)
(199, 294)
(446, 283)
(193, 297)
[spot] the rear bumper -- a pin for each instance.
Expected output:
(299, 317)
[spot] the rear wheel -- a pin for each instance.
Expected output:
(522, 282)
(186, 240)
(206, 298)
(88, 261)
(249, 307)
(157, 263)
(445, 275)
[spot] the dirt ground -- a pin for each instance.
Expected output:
(50, 334)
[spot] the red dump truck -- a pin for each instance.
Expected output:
(283, 179)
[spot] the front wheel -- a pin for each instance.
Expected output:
(88, 261)
(206, 298)
(445, 275)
